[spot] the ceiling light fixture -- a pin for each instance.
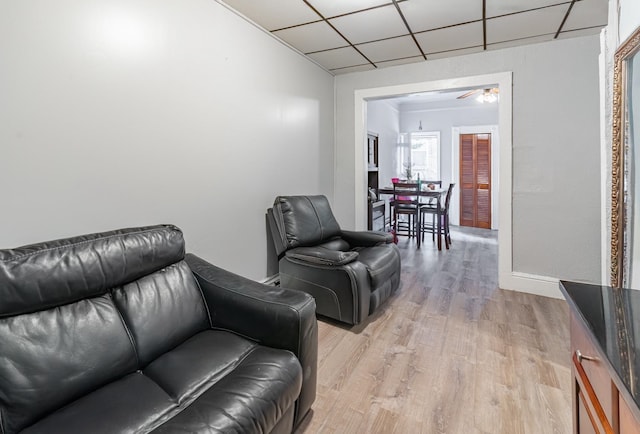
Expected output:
(487, 96)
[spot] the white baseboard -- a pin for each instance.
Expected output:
(531, 284)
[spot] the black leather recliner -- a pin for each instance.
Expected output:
(349, 273)
(121, 332)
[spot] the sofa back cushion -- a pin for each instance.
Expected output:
(50, 274)
(304, 220)
(52, 357)
(162, 310)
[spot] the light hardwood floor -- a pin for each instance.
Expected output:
(448, 353)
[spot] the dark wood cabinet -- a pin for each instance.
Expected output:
(375, 207)
(372, 150)
(604, 358)
(595, 396)
(376, 220)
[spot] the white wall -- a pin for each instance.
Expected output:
(383, 118)
(629, 17)
(556, 154)
(123, 113)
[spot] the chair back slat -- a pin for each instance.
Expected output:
(406, 193)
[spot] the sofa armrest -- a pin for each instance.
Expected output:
(321, 256)
(366, 238)
(273, 316)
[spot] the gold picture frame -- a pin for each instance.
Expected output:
(623, 190)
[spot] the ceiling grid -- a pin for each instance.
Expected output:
(367, 34)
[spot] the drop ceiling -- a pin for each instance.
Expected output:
(357, 35)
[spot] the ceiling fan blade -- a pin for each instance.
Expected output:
(471, 92)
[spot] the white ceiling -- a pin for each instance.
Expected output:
(358, 35)
(439, 99)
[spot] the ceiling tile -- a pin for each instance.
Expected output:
(432, 14)
(388, 49)
(339, 58)
(371, 25)
(587, 13)
(520, 42)
(405, 61)
(331, 8)
(577, 33)
(451, 38)
(452, 53)
(268, 14)
(526, 24)
(502, 7)
(311, 37)
(359, 68)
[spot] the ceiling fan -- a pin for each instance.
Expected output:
(489, 94)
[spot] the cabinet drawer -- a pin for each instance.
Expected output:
(586, 423)
(628, 423)
(377, 213)
(595, 372)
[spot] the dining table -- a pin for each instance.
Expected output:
(437, 193)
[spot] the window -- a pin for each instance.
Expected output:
(420, 151)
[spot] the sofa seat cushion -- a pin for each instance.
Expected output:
(129, 405)
(198, 363)
(215, 381)
(253, 396)
(381, 262)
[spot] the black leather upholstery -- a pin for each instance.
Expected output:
(349, 273)
(305, 220)
(119, 332)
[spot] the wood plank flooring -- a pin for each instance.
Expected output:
(448, 353)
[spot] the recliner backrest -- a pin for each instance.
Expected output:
(79, 313)
(304, 220)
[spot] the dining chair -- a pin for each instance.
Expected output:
(426, 184)
(406, 201)
(432, 208)
(436, 183)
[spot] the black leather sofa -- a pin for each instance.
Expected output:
(349, 273)
(121, 332)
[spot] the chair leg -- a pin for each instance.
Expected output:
(434, 227)
(395, 222)
(444, 231)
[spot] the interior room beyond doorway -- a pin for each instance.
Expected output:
(503, 80)
(419, 135)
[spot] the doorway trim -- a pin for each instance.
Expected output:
(507, 278)
(494, 130)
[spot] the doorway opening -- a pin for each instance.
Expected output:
(503, 81)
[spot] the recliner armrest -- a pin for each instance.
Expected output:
(321, 256)
(273, 316)
(366, 238)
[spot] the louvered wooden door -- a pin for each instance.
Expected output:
(475, 180)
